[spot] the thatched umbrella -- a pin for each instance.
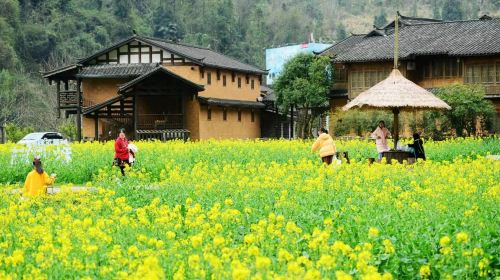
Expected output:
(397, 93)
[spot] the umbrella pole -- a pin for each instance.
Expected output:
(396, 126)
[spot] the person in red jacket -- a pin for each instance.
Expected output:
(121, 151)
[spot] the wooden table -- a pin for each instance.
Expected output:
(397, 155)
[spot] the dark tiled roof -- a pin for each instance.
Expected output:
(101, 105)
(231, 103)
(158, 69)
(267, 93)
(457, 38)
(60, 71)
(343, 45)
(337, 93)
(117, 71)
(199, 55)
(204, 55)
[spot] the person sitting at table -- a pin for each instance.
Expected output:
(380, 135)
(417, 147)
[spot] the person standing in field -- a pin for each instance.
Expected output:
(325, 145)
(380, 135)
(37, 180)
(121, 151)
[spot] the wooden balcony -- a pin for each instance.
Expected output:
(160, 121)
(493, 91)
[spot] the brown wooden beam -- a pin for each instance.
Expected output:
(58, 99)
(78, 111)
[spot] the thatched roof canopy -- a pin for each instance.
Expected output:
(397, 92)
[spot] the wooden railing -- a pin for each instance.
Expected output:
(67, 98)
(163, 134)
(160, 121)
(493, 90)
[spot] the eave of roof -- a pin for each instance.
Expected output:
(96, 107)
(116, 71)
(159, 69)
(59, 70)
(231, 103)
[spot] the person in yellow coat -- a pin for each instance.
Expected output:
(325, 145)
(37, 180)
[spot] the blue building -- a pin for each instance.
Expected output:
(277, 57)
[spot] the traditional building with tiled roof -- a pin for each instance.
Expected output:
(432, 53)
(160, 89)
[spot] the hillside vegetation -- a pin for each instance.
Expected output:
(36, 35)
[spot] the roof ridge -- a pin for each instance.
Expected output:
(452, 21)
(175, 43)
(345, 39)
(203, 48)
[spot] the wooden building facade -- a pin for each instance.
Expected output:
(162, 90)
(432, 53)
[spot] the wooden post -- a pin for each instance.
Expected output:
(291, 122)
(78, 110)
(134, 98)
(58, 99)
(96, 127)
(396, 126)
(3, 133)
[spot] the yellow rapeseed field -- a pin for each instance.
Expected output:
(255, 210)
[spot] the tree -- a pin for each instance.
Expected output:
(469, 108)
(380, 20)
(341, 32)
(165, 24)
(452, 10)
(304, 84)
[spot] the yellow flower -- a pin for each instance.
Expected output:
(262, 263)
(170, 234)
(462, 237)
(425, 271)
(326, 261)
(388, 247)
(373, 232)
(196, 240)
(341, 275)
(228, 202)
(218, 241)
(444, 241)
(194, 261)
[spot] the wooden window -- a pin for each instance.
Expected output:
(490, 75)
(209, 78)
(224, 114)
(253, 116)
(498, 72)
(247, 79)
(239, 115)
(209, 114)
(233, 77)
(340, 75)
(218, 75)
(485, 74)
(239, 82)
(252, 84)
(357, 80)
(202, 73)
(224, 80)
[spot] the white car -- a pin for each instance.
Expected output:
(40, 138)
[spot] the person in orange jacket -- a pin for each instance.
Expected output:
(325, 145)
(37, 180)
